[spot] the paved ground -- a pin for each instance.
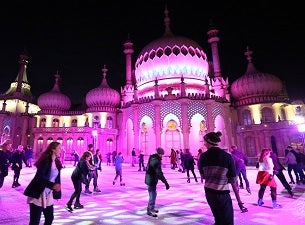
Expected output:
(184, 203)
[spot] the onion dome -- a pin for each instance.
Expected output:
(255, 86)
(169, 58)
(102, 96)
(54, 100)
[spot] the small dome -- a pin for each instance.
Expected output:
(54, 100)
(103, 95)
(256, 84)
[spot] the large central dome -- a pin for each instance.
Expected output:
(169, 58)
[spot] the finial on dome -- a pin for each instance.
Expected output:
(248, 53)
(104, 70)
(56, 85)
(167, 23)
(104, 81)
(251, 68)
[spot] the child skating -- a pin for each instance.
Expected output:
(118, 168)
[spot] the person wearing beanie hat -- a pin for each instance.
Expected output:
(217, 168)
(152, 176)
(213, 138)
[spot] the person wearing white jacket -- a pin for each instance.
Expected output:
(265, 178)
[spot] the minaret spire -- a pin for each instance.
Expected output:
(213, 39)
(128, 52)
(128, 90)
(23, 61)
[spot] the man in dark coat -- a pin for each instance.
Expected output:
(17, 159)
(153, 175)
(218, 169)
(278, 171)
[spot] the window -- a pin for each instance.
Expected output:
(172, 136)
(55, 123)
(144, 137)
(109, 122)
(202, 132)
(43, 122)
(74, 123)
(267, 115)
(246, 116)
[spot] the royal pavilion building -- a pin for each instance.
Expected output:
(173, 95)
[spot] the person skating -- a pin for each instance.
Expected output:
(152, 176)
(265, 178)
(45, 186)
(17, 159)
(218, 170)
(189, 164)
(119, 159)
(241, 161)
(79, 176)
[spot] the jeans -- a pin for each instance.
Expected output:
(77, 191)
(152, 192)
(243, 172)
(92, 175)
(118, 173)
(134, 160)
(221, 207)
(35, 214)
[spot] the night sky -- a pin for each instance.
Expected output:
(77, 38)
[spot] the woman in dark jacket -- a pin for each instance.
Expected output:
(189, 163)
(45, 186)
(4, 160)
(79, 176)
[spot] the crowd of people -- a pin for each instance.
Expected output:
(220, 170)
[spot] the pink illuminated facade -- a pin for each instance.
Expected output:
(172, 97)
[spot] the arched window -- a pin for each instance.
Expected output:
(267, 115)
(60, 140)
(74, 123)
(246, 115)
(43, 122)
(202, 132)
(49, 140)
(109, 143)
(172, 135)
(80, 143)
(144, 137)
(40, 144)
(55, 122)
(109, 122)
(96, 122)
(283, 114)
